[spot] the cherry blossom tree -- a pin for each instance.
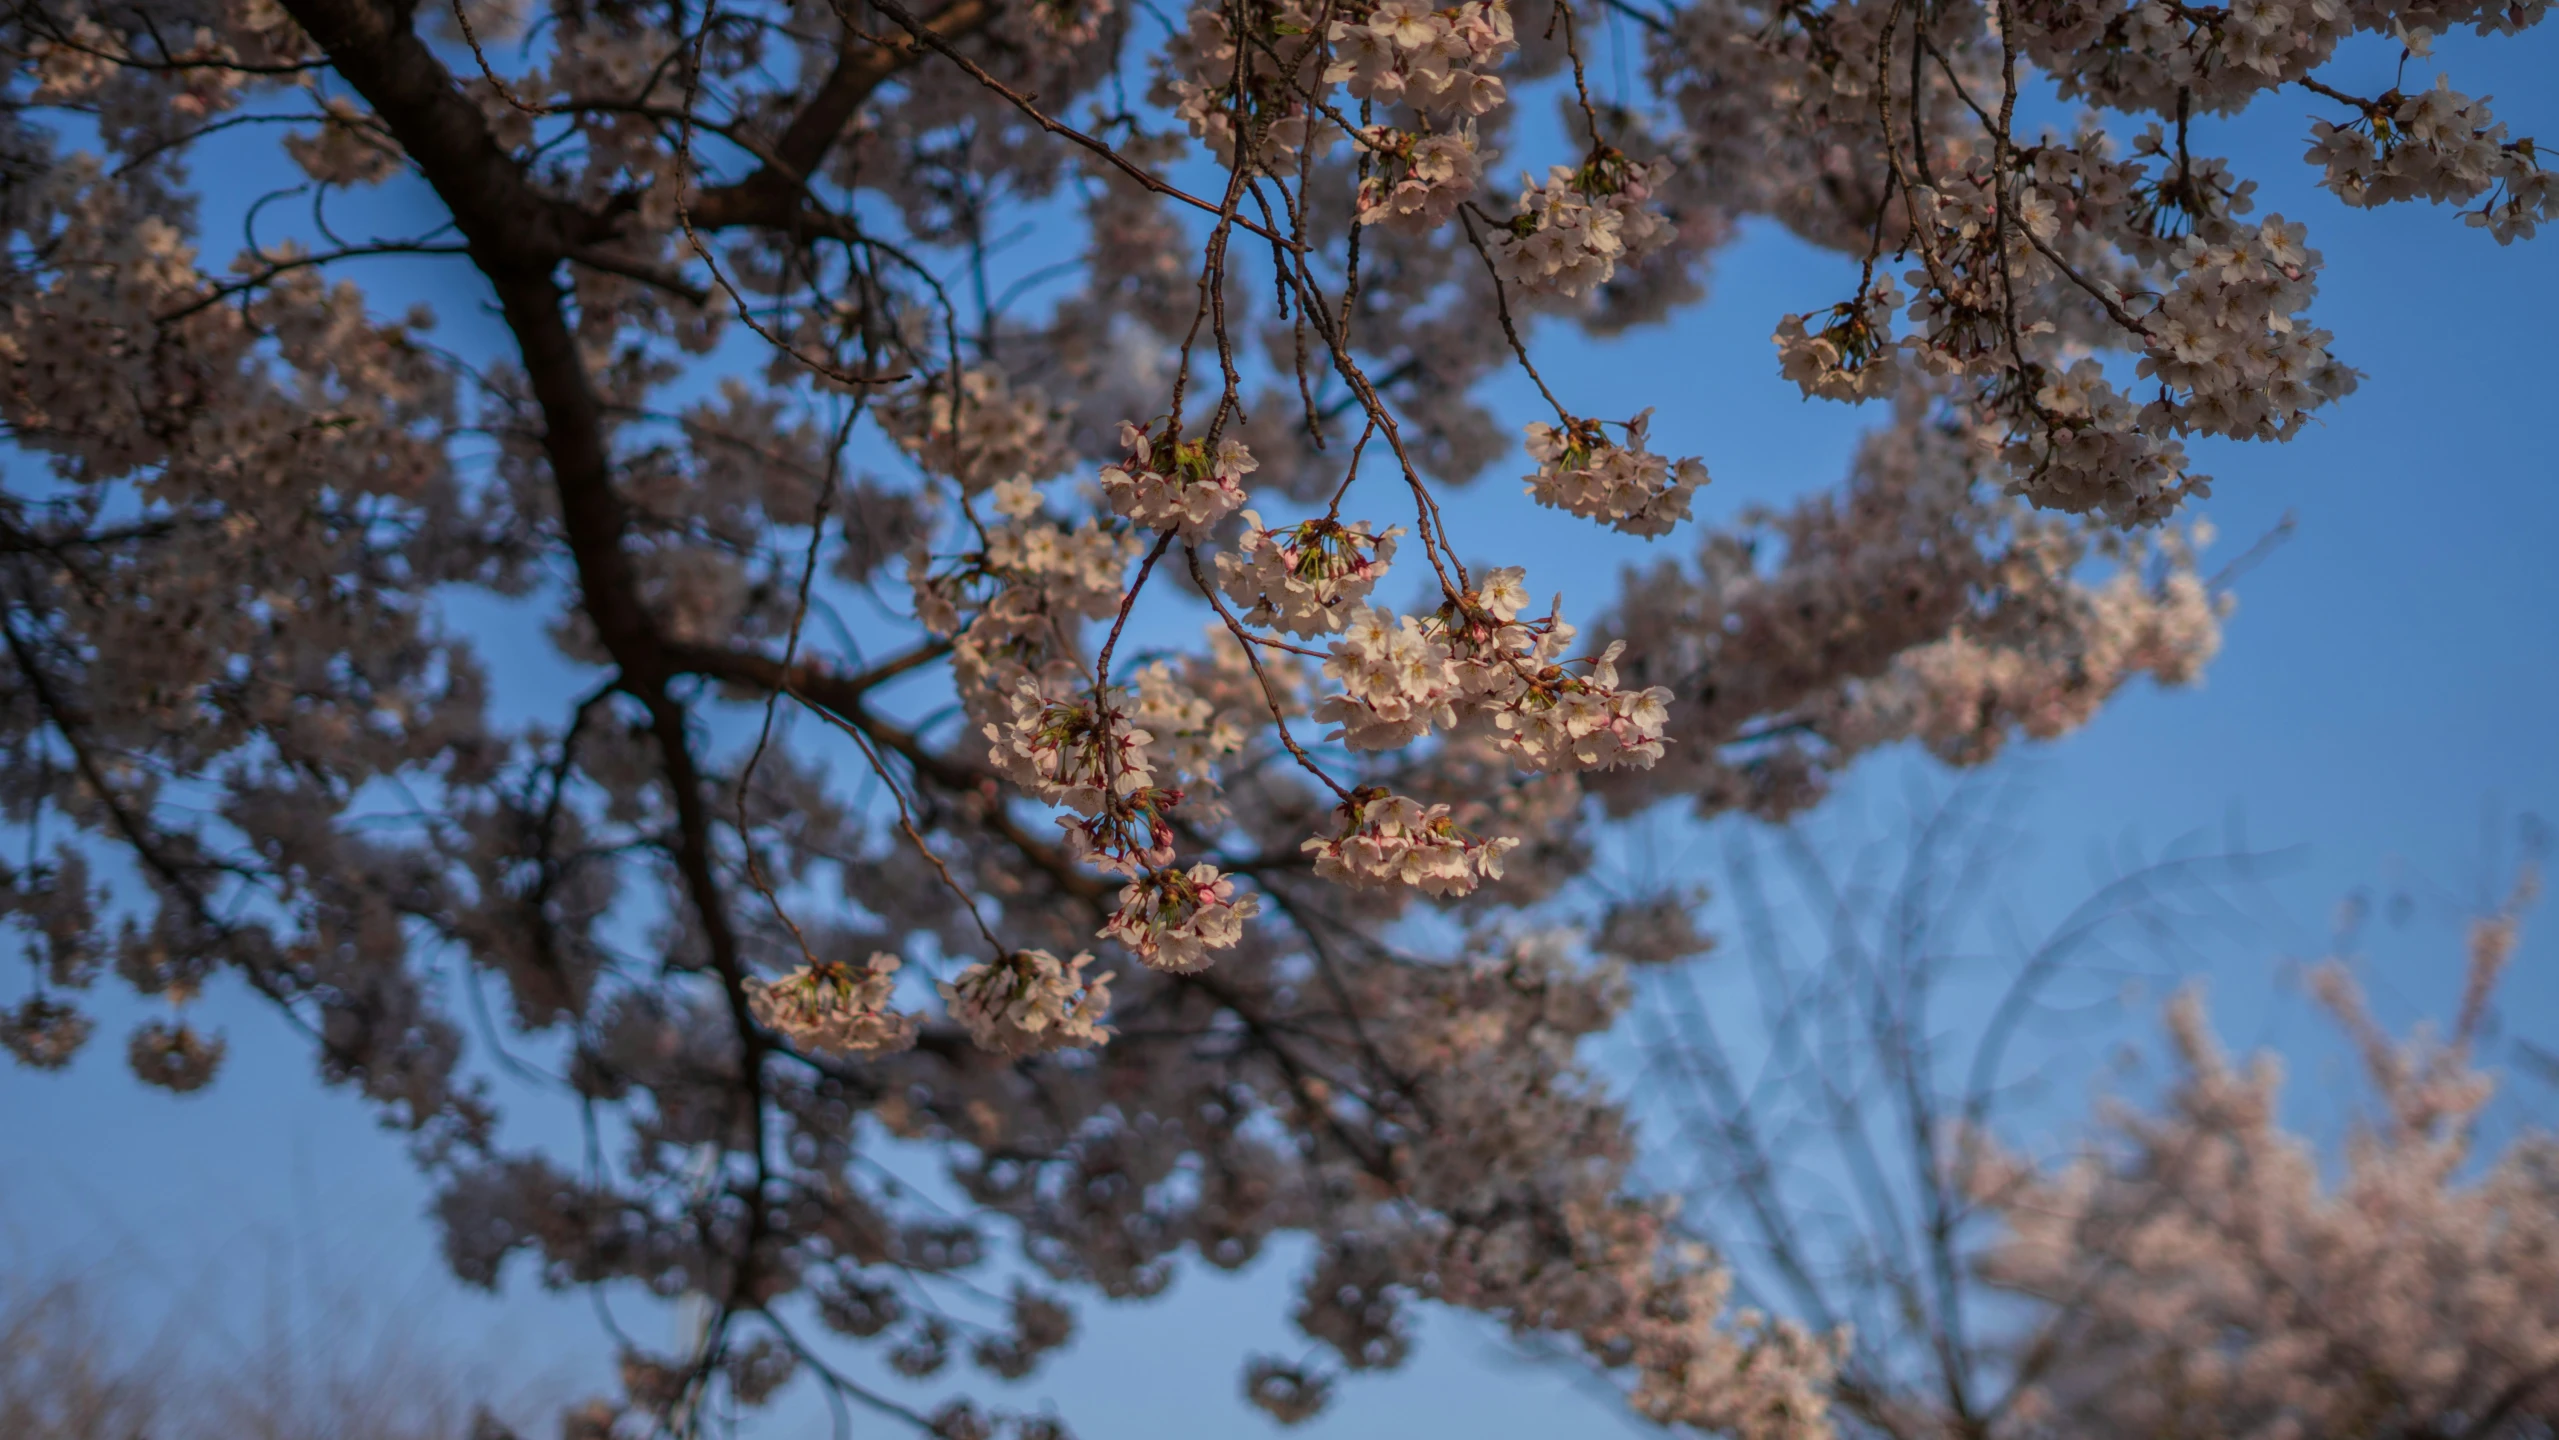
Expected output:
(894, 811)
(2201, 1270)
(1852, 1084)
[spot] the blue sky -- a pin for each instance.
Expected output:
(2386, 700)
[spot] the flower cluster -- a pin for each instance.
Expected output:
(173, 1056)
(1398, 681)
(1383, 839)
(2205, 1249)
(978, 430)
(1081, 753)
(1555, 720)
(1403, 676)
(1028, 587)
(1171, 919)
(1128, 833)
(1188, 732)
(1304, 579)
(836, 1008)
(43, 1034)
(1546, 717)
(1183, 486)
(1436, 62)
(1417, 181)
(1851, 356)
(1077, 571)
(2437, 144)
(1626, 486)
(2092, 451)
(1249, 87)
(2231, 334)
(1029, 1001)
(1576, 227)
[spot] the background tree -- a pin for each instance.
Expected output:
(1858, 1082)
(724, 245)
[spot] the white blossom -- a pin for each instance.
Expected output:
(977, 430)
(1438, 62)
(1417, 180)
(1398, 679)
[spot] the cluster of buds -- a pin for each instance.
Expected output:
(1169, 483)
(1579, 469)
(1172, 918)
(1385, 840)
(1030, 1001)
(1082, 753)
(839, 1009)
(1573, 230)
(1306, 578)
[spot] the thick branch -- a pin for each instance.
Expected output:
(770, 198)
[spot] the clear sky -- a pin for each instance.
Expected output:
(2386, 699)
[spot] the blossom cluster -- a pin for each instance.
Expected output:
(1188, 732)
(1245, 93)
(1573, 230)
(1082, 752)
(1437, 62)
(2441, 145)
(1030, 1001)
(1625, 486)
(1851, 357)
(1177, 485)
(1172, 918)
(2232, 336)
(2203, 1247)
(835, 1008)
(1398, 681)
(1304, 579)
(1404, 676)
(1384, 839)
(1417, 181)
(977, 429)
(1009, 607)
